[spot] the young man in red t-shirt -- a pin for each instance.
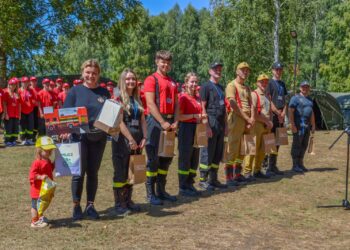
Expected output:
(46, 98)
(12, 112)
(36, 89)
(28, 100)
(161, 97)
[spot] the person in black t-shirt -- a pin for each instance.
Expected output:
(277, 92)
(91, 96)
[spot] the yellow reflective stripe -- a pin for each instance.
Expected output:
(274, 153)
(183, 172)
(203, 166)
(119, 184)
(202, 179)
(238, 161)
(214, 166)
(151, 174)
(193, 171)
(230, 162)
(22, 133)
(163, 172)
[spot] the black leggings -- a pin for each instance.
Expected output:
(92, 148)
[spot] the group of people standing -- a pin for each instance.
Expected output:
(228, 114)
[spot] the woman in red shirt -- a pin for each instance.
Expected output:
(189, 116)
(12, 113)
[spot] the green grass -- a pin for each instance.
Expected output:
(280, 213)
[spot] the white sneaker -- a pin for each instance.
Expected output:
(23, 143)
(38, 224)
(44, 219)
(30, 142)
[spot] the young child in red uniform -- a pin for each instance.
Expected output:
(58, 89)
(41, 168)
(12, 113)
(110, 87)
(46, 98)
(62, 96)
(28, 102)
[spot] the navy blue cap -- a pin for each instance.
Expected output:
(304, 83)
(215, 64)
(277, 65)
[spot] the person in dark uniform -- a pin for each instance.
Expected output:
(131, 141)
(212, 96)
(190, 114)
(161, 97)
(302, 120)
(91, 96)
(277, 92)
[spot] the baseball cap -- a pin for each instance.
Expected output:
(110, 84)
(45, 80)
(12, 81)
(262, 77)
(52, 83)
(65, 85)
(45, 143)
(242, 65)
(103, 85)
(304, 83)
(32, 78)
(216, 64)
(59, 80)
(24, 79)
(277, 65)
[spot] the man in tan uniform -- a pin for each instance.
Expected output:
(262, 126)
(240, 119)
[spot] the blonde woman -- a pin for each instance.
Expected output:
(92, 96)
(131, 140)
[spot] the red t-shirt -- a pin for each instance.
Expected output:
(47, 98)
(28, 100)
(167, 92)
(62, 96)
(143, 100)
(36, 91)
(189, 105)
(1, 99)
(39, 167)
(57, 90)
(13, 104)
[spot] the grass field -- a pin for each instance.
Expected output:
(280, 213)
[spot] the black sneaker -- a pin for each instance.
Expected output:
(206, 186)
(261, 175)
(249, 178)
(276, 171)
(77, 213)
(91, 212)
(232, 183)
(302, 167)
(297, 169)
(218, 184)
(187, 192)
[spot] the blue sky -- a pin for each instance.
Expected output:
(157, 6)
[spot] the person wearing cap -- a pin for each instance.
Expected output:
(54, 93)
(162, 105)
(34, 86)
(277, 92)
(41, 169)
(261, 127)
(190, 114)
(62, 96)
(58, 86)
(213, 106)
(12, 112)
(93, 143)
(46, 98)
(302, 121)
(28, 102)
(240, 121)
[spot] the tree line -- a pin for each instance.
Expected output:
(124, 34)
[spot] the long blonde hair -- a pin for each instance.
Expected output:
(124, 94)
